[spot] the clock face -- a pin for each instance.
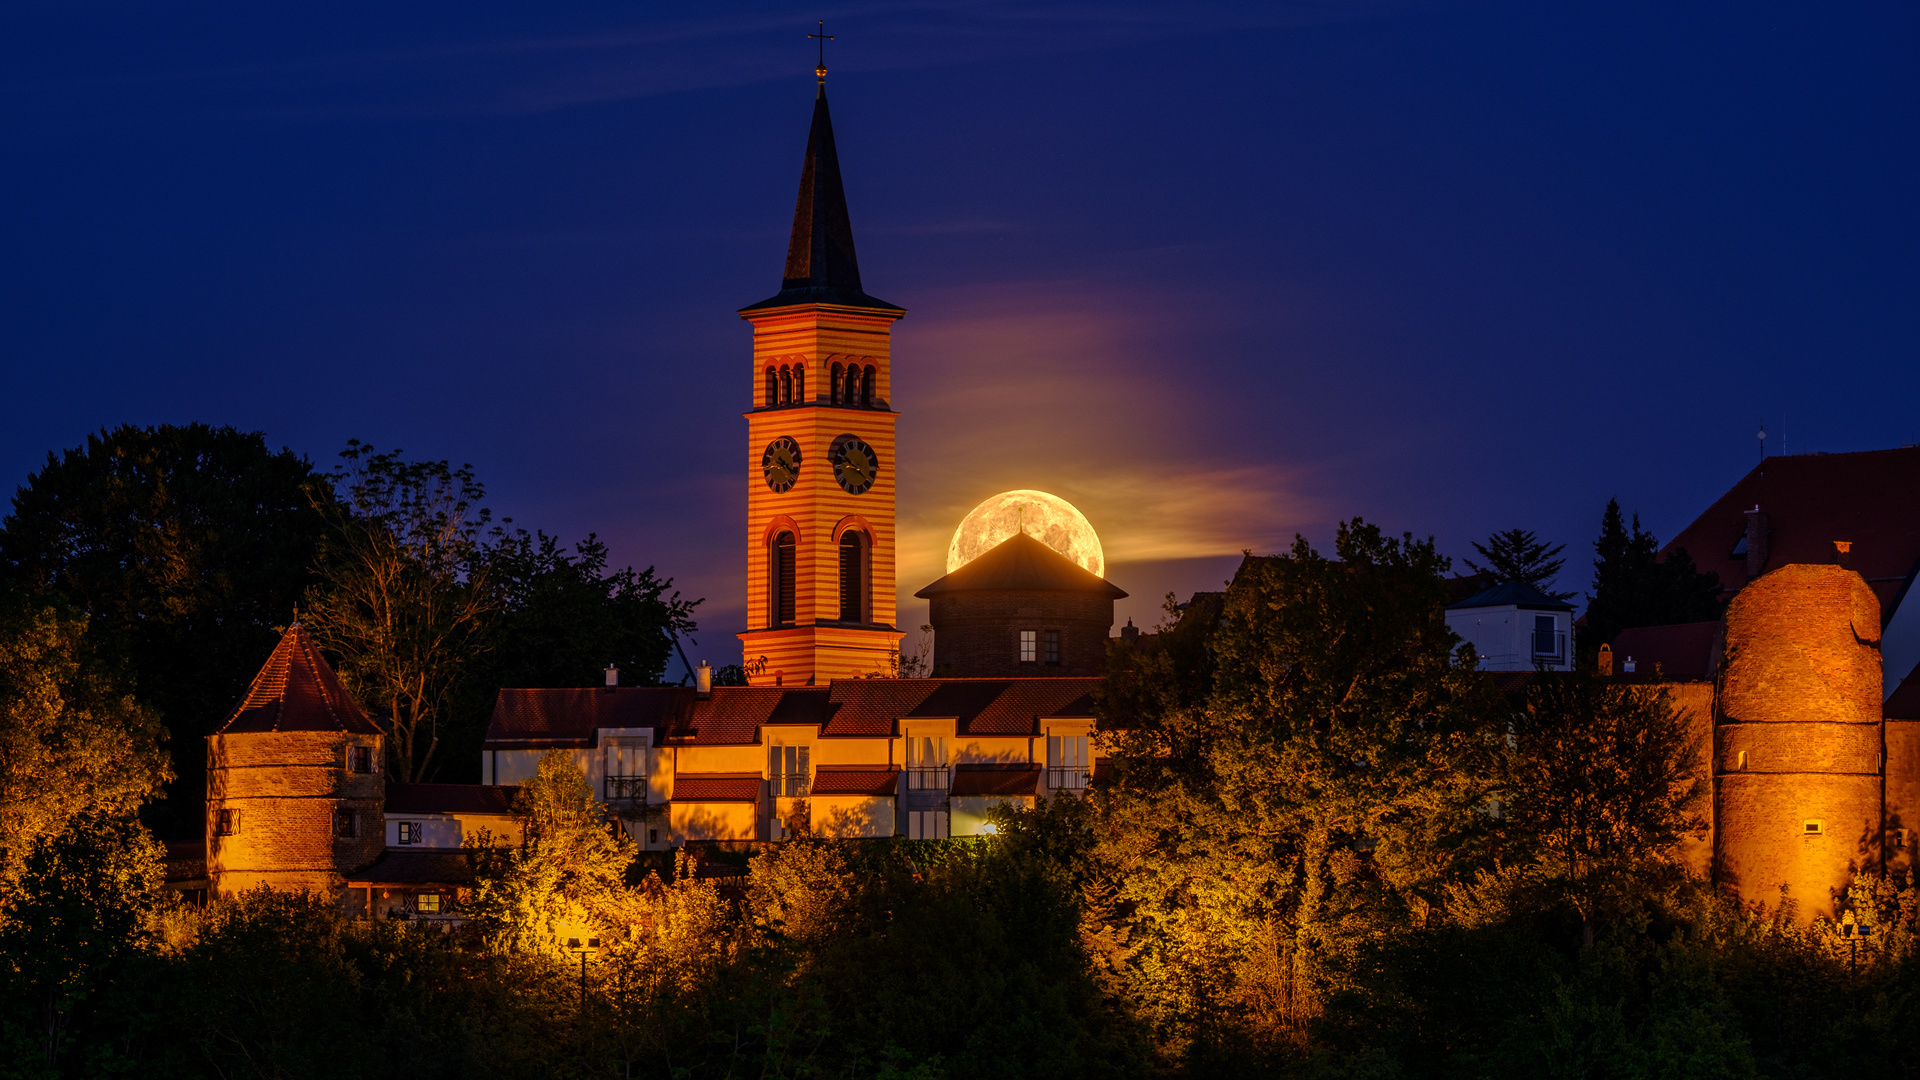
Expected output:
(855, 465)
(781, 463)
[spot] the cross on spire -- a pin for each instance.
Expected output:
(823, 37)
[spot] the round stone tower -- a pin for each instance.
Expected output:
(1021, 609)
(295, 781)
(1797, 794)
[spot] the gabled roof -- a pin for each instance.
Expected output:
(1513, 593)
(296, 690)
(1870, 498)
(1022, 562)
(449, 799)
(821, 265)
(535, 719)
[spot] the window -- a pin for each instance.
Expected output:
(1900, 839)
(781, 588)
(346, 824)
(626, 769)
(360, 759)
(773, 388)
(1029, 646)
(226, 823)
(926, 824)
(834, 390)
(799, 384)
(1052, 653)
(410, 832)
(1545, 638)
(1067, 763)
(427, 903)
(786, 386)
(1813, 827)
(866, 388)
(1743, 761)
(852, 577)
(653, 836)
(926, 763)
(789, 770)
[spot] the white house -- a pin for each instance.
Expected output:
(1515, 627)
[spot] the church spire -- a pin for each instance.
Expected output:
(821, 265)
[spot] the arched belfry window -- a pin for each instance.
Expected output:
(835, 391)
(780, 583)
(773, 388)
(853, 577)
(866, 388)
(786, 386)
(800, 384)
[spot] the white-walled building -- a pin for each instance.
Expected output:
(1515, 627)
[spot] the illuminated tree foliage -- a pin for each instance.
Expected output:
(1322, 788)
(186, 547)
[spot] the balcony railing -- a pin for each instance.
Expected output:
(790, 785)
(626, 789)
(1549, 645)
(1069, 777)
(924, 779)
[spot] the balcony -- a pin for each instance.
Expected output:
(925, 779)
(1069, 777)
(790, 785)
(626, 789)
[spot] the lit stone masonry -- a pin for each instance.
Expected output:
(1799, 737)
(295, 780)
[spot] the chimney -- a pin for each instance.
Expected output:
(1757, 530)
(1603, 664)
(703, 680)
(1842, 550)
(613, 677)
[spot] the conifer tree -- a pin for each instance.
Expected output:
(1633, 586)
(1517, 555)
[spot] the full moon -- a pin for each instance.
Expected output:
(1049, 519)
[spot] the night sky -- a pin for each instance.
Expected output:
(1215, 273)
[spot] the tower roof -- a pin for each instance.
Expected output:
(297, 690)
(821, 265)
(1022, 562)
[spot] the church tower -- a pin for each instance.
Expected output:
(820, 451)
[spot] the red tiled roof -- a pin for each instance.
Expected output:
(1682, 651)
(733, 715)
(995, 780)
(296, 690)
(716, 787)
(570, 717)
(449, 799)
(1871, 499)
(852, 780)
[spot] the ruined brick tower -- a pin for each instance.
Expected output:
(295, 781)
(1799, 739)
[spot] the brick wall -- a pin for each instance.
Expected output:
(977, 634)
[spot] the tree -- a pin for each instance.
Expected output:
(405, 599)
(1604, 781)
(567, 877)
(73, 741)
(1633, 586)
(185, 547)
(1323, 788)
(1517, 555)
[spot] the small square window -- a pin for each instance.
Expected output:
(1029, 646)
(1813, 827)
(427, 903)
(409, 832)
(1900, 839)
(346, 824)
(360, 759)
(1052, 653)
(226, 823)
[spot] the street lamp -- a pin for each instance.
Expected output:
(592, 946)
(1854, 930)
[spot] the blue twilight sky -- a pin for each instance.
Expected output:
(1214, 272)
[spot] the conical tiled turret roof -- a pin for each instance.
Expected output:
(297, 690)
(1022, 562)
(821, 265)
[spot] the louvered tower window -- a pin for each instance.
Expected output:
(852, 578)
(782, 589)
